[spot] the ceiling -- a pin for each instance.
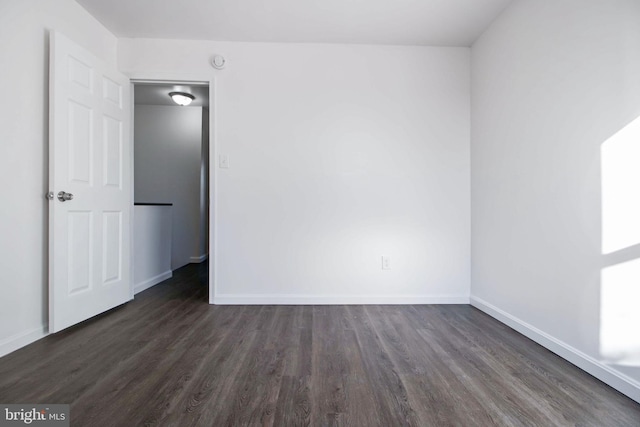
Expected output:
(398, 22)
(158, 94)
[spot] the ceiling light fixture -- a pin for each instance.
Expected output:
(182, 98)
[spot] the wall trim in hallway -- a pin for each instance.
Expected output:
(139, 287)
(199, 259)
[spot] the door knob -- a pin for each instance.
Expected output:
(63, 197)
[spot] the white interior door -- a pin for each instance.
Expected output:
(89, 158)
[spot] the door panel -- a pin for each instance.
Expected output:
(112, 247)
(89, 235)
(79, 250)
(112, 152)
(80, 140)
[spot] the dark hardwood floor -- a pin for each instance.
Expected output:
(170, 359)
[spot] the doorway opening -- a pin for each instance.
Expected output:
(171, 182)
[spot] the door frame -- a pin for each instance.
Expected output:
(185, 79)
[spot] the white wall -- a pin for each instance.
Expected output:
(24, 51)
(339, 154)
(152, 246)
(167, 157)
(551, 81)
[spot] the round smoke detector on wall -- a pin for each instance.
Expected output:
(218, 62)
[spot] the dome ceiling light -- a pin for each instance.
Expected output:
(182, 98)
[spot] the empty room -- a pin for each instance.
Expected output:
(336, 212)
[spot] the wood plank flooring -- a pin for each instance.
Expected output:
(170, 359)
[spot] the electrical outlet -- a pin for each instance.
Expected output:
(386, 262)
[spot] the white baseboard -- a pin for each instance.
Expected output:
(198, 259)
(266, 299)
(22, 339)
(604, 373)
(139, 287)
